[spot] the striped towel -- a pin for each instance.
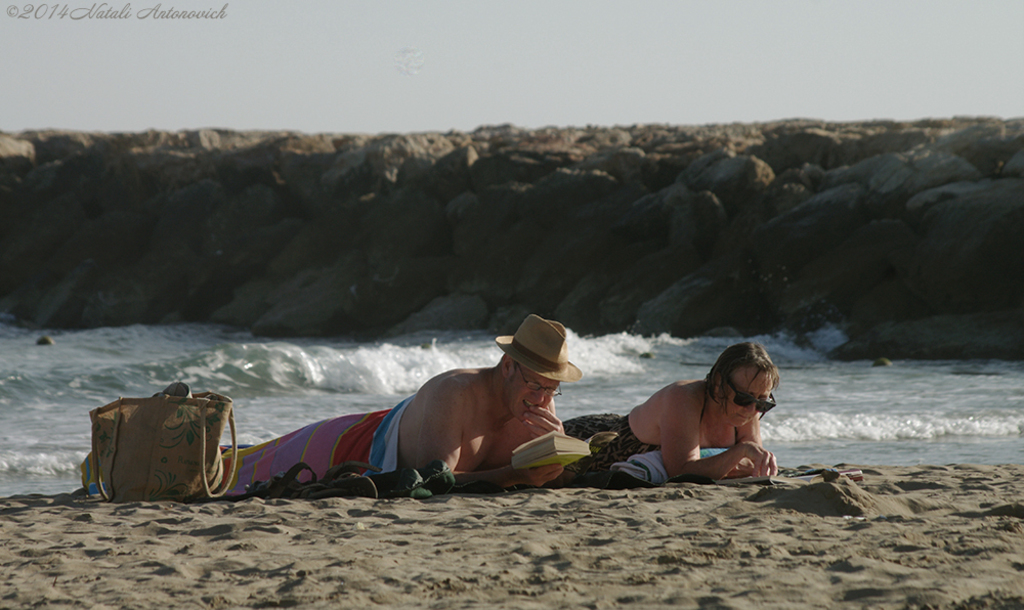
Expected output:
(364, 437)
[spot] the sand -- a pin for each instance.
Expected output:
(904, 537)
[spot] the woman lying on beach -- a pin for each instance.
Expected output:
(709, 427)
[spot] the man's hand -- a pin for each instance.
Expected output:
(540, 420)
(541, 475)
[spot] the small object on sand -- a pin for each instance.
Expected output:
(45, 340)
(882, 362)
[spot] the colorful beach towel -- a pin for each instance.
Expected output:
(371, 438)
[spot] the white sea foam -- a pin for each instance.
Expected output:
(820, 426)
(58, 463)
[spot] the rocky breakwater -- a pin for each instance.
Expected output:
(907, 236)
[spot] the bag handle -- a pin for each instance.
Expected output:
(226, 478)
(94, 457)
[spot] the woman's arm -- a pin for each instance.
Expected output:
(680, 432)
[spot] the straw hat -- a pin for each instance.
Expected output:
(539, 345)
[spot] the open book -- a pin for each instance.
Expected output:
(551, 448)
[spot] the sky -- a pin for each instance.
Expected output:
(401, 66)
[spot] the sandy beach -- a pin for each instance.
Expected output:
(904, 537)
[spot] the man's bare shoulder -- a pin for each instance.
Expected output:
(453, 388)
(456, 378)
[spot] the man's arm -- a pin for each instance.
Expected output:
(443, 415)
(440, 442)
(434, 423)
(508, 476)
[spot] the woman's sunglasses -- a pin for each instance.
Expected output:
(744, 400)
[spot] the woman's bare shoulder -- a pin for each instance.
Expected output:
(673, 398)
(684, 390)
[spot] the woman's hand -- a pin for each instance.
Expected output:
(757, 461)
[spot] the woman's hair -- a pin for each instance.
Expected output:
(735, 357)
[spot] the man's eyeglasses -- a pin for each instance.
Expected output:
(744, 399)
(533, 386)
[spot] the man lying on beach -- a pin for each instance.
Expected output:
(471, 419)
(709, 427)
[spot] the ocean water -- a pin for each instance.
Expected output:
(913, 412)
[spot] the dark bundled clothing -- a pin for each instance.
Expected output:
(618, 450)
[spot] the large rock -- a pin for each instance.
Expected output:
(791, 188)
(351, 297)
(562, 193)
(675, 216)
(308, 183)
(450, 312)
(836, 280)
(386, 155)
(918, 205)
(112, 241)
(256, 165)
(970, 258)
(405, 224)
(736, 180)
(656, 228)
(890, 300)
(56, 145)
(248, 303)
(449, 176)
(891, 179)
(624, 164)
(503, 167)
(40, 231)
(887, 138)
(64, 303)
(662, 314)
(966, 336)
(1014, 167)
(17, 157)
(987, 146)
(785, 149)
(782, 246)
(607, 299)
(720, 294)
(315, 302)
(697, 223)
(525, 239)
